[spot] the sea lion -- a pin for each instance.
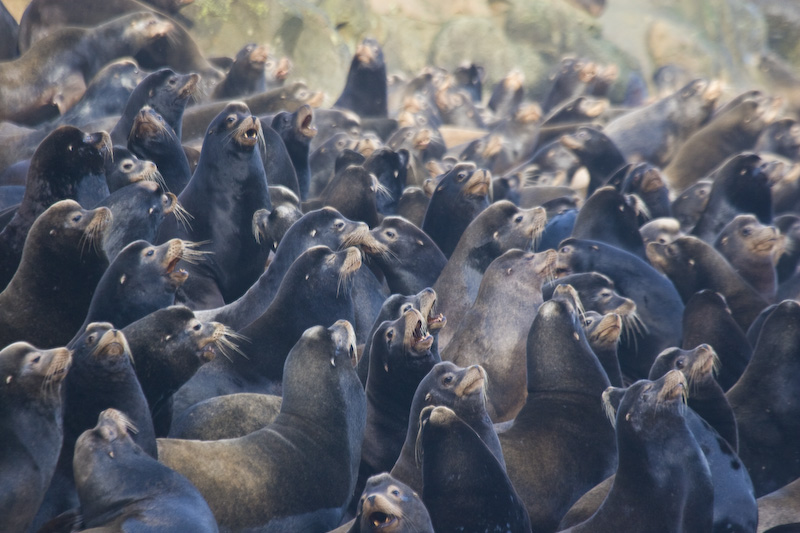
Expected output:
(740, 186)
(661, 230)
(390, 168)
(413, 204)
(389, 505)
(365, 89)
(296, 131)
(322, 161)
(603, 334)
(68, 164)
(151, 138)
(62, 262)
(230, 172)
(692, 265)
(8, 41)
(120, 487)
(779, 507)
(61, 65)
(610, 217)
(317, 288)
(454, 491)
(412, 261)
(653, 133)
(507, 94)
(659, 307)
(353, 192)
(646, 182)
(689, 206)
(124, 169)
(767, 423)
(400, 356)
(493, 333)
(657, 453)
(595, 151)
(101, 376)
(141, 279)
(707, 320)
(565, 379)
(226, 417)
(497, 229)
(752, 249)
(316, 435)
(246, 74)
(568, 82)
(464, 391)
(137, 211)
(781, 137)
(31, 419)
(733, 129)
(168, 346)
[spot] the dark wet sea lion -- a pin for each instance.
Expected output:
(603, 333)
(768, 423)
(497, 229)
(595, 151)
(31, 421)
(168, 346)
(141, 279)
(316, 289)
(226, 417)
(653, 133)
(413, 204)
(647, 183)
(659, 308)
(692, 265)
(454, 491)
(101, 376)
(246, 74)
(61, 65)
(61, 264)
(568, 82)
(493, 333)
(662, 230)
(707, 320)
(124, 169)
(752, 249)
(322, 161)
(353, 192)
(390, 168)
(412, 260)
(609, 217)
(390, 506)
(68, 164)
(121, 487)
(230, 172)
(782, 137)
(689, 206)
(549, 435)
(464, 391)
(400, 356)
(657, 454)
(507, 94)
(256, 480)
(137, 210)
(296, 131)
(365, 89)
(152, 139)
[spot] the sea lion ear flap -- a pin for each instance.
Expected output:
(260, 224)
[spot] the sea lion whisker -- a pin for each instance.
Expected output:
(191, 255)
(183, 216)
(155, 176)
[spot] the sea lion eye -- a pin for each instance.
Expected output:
(338, 224)
(231, 119)
(447, 380)
(389, 233)
(565, 250)
(746, 231)
(37, 359)
(461, 176)
(518, 219)
(91, 338)
(173, 81)
(588, 322)
(605, 294)
(389, 335)
(396, 493)
(407, 308)
(77, 218)
(680, 363)
(127, 165)
(150, 252)
(197, 327)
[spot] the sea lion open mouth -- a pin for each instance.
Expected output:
(304, 119)
(420, 338)
(248, 133)
(381, 520)
(189, 87)
(284, 67)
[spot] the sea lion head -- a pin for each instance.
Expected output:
(602, 330)
(698, 364)
(30, 373)
(389, 506)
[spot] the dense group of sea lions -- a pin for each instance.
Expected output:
(225, 308)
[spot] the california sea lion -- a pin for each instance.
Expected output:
(61, 65)
(365, 89)
(120, 487)
(296, 131)
(603, 333)
(151, 138)
(259, 480)
(494, 331)
(246, 74)
(610, 217)
(31, 420)
(62, 262)
(124, 168)
(388, 505)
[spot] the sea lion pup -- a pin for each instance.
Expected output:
(768, 424)
(691, 265)
(459, 196)
(659, 307)
(454, 490)
(494, 331)
(169, 345)
(67, 164)
(753, 250)
(497, 229)
(102, 376)
(122, 488)
(400, 356)
(412, 262)
(603, 334)
(549, 435)
(388, 505)
(137, 211)
(31, 422)
(464, 391)
(62, 262)
(140, 280)
(657, 453)
(365, 89)
(734, 129)
(708, 320)
(61, 65)
(261, 480)
(317, 288)
(655, 132)
(740, 185)
(230, 173)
